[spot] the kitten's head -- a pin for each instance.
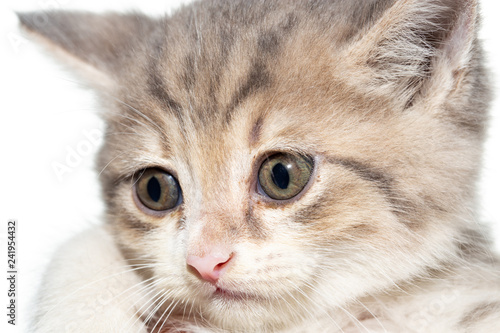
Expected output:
(275, 159)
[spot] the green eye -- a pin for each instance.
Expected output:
(158, 190)
(283, 176)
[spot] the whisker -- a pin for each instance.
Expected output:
(139, 313)
(372, 314)
(172, 307)
(162, 299)
(87, 285)
(109, 162)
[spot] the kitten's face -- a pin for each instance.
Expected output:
(290, 145)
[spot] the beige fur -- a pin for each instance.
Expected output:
(388, 97)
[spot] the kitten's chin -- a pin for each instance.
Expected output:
(244, 315)
(237, 310)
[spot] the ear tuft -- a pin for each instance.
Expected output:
(458, 48)
(400, 49)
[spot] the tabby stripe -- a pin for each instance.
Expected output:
(480, 313)
(256, 132)
(258, 78)
(158, 89)
(268, 45)
(401, 206)
(254, 225)
(138, 225)
(366, 172)
(156, 85)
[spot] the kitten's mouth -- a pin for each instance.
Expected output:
(232, 295)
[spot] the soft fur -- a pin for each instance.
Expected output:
(388, 97)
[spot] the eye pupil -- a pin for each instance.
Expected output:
(280, 176)
(154, 189)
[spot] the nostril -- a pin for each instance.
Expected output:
(210, 267)
(221, 265)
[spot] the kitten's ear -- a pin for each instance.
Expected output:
(416, 41)
(96, 45)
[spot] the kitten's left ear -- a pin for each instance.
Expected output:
(417, 43)
(98, 46)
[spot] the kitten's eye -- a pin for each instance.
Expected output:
(283, 176)
(158, 190)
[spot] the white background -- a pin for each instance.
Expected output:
(44, 116)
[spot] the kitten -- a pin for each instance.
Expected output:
(291, 166)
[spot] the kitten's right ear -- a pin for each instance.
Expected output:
(98, 46)
(417, 42)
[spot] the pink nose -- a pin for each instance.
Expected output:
(211, 266)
